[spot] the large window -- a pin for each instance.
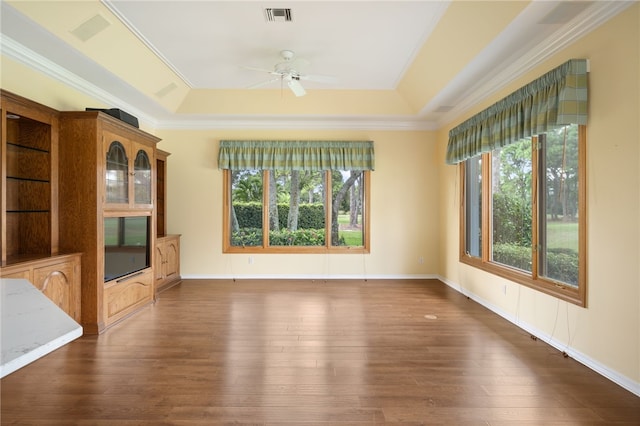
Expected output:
(294, 211)
(523, 199)
(524, 213)
(296, 197)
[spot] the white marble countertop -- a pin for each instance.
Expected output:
(31, 325)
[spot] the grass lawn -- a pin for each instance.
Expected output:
(351, 237)
(562, 235)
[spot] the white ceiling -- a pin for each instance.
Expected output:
(365, 45)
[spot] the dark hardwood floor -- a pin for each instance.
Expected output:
(312, 353)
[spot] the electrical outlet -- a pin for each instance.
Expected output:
(421, 260)
(504, 289)
(250, 260)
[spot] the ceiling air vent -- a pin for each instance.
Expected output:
(278, 15)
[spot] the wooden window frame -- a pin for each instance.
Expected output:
(266, 248)
(577, 296)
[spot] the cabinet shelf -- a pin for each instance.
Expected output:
(29, 170)
(29, 148)
(25, 179)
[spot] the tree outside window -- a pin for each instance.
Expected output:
(301, 211)
(527, 204)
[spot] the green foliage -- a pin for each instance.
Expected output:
(514, 164)
(514, 255)
(247, 237)
(311, 216)
(301, 237)
(562, 264)
(247, 185)
(249, 215)
(561, 181)
(511, 220)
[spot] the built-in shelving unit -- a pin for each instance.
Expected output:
(167, 256)
(82, 211)
(29, 208)
(29, 172)
(106, 182)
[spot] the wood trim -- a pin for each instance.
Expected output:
(264, 249)
(583, 215)
(3, 184)
(577, 296)
(487, 228)
(535, 207)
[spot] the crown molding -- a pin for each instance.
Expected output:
(269, 122)
(578, 27)
(14, 50)
(482, 90)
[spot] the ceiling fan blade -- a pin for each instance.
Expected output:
(319, 78)
(296, 87)
(261, 70)
(264, 83)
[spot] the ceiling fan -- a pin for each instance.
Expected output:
(287, 72)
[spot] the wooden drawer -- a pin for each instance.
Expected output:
(126, 296)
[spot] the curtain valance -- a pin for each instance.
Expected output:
(296, 155)
(557, 98)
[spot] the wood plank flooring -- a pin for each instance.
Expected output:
(312, 353)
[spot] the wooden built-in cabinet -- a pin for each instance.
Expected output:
(106, 175)
(167, 269)
(29, 237)
(29, 168)
(167, 257)
(128, 183)
(58, 277)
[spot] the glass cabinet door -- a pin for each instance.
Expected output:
(117, 174)
(142, 178)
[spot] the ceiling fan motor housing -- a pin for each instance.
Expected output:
(287, 55)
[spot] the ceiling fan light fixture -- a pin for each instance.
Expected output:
(296, 87)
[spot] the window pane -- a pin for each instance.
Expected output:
(559, 205)
(473, 202)
(142, 176)
(296, 208)
(117, 176)
(246, 208)
(348, 208)
(511, 172)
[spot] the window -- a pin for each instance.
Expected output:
(523, 199)
(528, 205)
(296, 197)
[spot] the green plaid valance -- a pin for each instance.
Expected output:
(296, 155)
(557, 98)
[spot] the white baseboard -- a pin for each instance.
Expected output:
(614, 376)
(309, 277)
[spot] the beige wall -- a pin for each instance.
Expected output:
(404, 215)
(607, 332)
